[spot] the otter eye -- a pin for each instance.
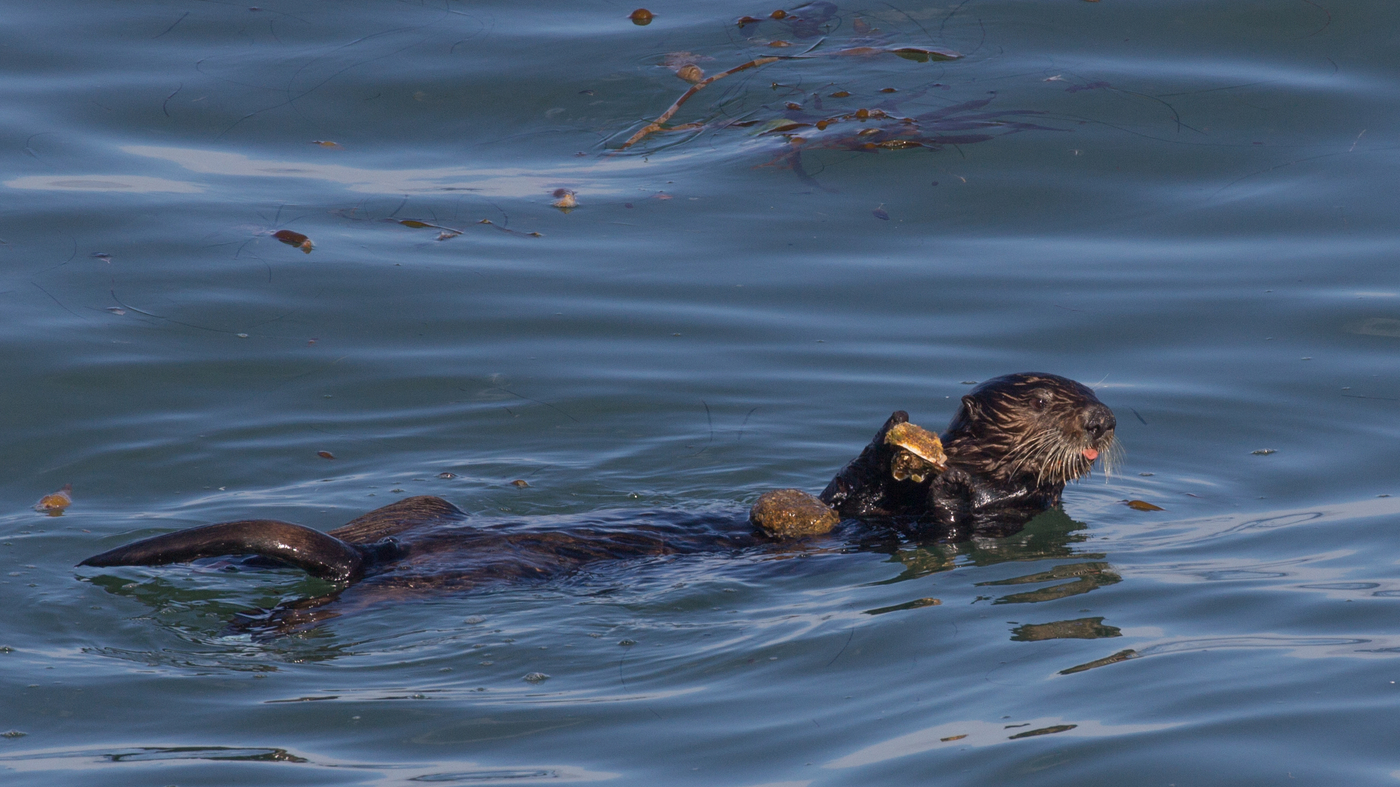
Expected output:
(1040, 402)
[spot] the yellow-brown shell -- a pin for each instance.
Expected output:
(918, 454)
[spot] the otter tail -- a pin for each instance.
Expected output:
(320, 555)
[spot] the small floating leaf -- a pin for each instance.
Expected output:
(779, 44)
(325, 454)
(54, 504)
(859, 51)
(779, 125)
(880, 214)
(951, 737)
(1043, 731)
(1264, 451)
(325, 143)
(748, 20)
(691, 73)
(840, 94)
(779, 14)
(924, 55)
(1142, 505)
(641, 17)
(520, 482)
(294, 239)
(416, 224)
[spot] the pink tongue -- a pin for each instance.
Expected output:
(1091, 454)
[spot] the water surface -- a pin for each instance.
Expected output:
(1190, 207)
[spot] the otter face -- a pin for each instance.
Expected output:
(1043, 427)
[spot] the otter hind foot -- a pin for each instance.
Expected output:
(318, 554)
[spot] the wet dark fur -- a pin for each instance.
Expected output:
(1009, 458)
(427, 545)
(1013, 444)
(426, 542)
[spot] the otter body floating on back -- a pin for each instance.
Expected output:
(1010, 449)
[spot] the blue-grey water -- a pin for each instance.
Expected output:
(1191, 207)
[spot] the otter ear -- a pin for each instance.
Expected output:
(971, 408)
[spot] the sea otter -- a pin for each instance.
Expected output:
(1010, 449)
(1014, 443)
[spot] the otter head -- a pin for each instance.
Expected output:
(1037, 428)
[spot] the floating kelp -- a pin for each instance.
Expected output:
(884, 117)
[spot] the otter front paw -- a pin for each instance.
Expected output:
(789, 513)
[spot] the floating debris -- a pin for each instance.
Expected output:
(641, 17)
(1043, 731)
(56, 503)
(691, 73)
(294, 239)
(1142, 505)
(565, 199)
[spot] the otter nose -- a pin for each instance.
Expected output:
(1099, 421)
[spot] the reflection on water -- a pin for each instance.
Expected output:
(136, 184)
(484, 181)
(965, 734)
(123, 762)
(1049, 535)
(1082, 628)
(1087, 577)
(1122, 655)
(206, 753)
